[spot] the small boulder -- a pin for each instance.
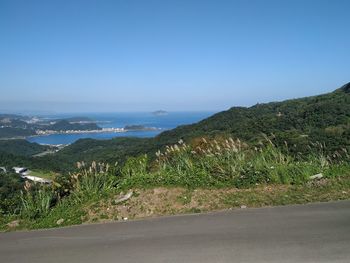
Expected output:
(13, 224)
(243, 206)
(316, 176)
(60, 221)
(123, 198)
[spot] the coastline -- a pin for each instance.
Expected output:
(103, 130)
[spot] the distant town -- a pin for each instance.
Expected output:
(49, 132)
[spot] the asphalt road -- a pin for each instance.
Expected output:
(305, 233)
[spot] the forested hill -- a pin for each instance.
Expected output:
(323, 118)
(21, 147)
(64, 125)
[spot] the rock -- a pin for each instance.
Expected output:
(243, 206)
(125, 218)
(344, 192)
(124, 198)
(13, 224)
(60, 221)
(316, 176)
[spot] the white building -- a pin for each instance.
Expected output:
(20, 170)
(37, 179)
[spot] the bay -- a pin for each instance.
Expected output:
(120, 120)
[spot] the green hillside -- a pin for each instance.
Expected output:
(299, 122)
(65, 125)
(21, 147)
(9, 132)
(324, 118)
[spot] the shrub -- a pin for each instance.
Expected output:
(36, 202)
(92, 182)
(10, 187)
(135, 166)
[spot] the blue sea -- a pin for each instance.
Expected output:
(120, 120)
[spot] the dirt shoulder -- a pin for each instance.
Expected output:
(170, 201)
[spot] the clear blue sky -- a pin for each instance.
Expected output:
(175, 55)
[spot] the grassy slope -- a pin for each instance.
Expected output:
(177, 200)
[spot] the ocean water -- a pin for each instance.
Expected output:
(120, 120)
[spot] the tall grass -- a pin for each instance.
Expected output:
(229, 162)
(87, 183)
(92, 182)
(36, 202)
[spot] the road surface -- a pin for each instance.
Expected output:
(304, 233)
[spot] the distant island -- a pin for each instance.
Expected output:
(160, 113)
